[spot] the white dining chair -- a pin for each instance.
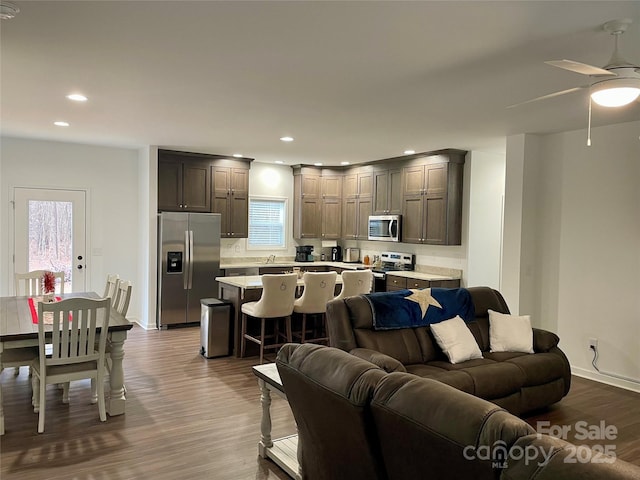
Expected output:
(111, 287)
(27, 284)
(355, 282)
(74, 330)
(276, 301)
(122, 297)
(30, 283)
(318, 290)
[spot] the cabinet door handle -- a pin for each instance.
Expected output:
(232, 192)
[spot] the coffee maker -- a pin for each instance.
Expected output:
(303, 253)
(336, 254)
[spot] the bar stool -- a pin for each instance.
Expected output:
(355, 282)
(318, 290)
(276, 301)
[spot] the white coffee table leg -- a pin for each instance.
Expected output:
(265, 422)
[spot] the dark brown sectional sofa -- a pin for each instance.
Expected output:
(358, 422)
(518, 382)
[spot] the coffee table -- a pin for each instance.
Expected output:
(283, 451)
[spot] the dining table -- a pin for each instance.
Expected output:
(18, 329)
(248, 288)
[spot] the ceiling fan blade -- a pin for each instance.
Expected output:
(578, 67)
(550, 95)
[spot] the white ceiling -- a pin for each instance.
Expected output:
(352, 81)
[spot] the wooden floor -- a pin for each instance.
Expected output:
(188, 417)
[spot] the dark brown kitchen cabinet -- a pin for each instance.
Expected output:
(307, 203)
(357, 203)
(432, 200)
(230, 195)
(387, 191)
(331, 207)
(183, 183)
(396, 282)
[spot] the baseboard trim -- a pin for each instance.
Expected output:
(598, 377)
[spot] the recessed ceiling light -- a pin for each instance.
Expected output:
(279, 162)
(318, 164)
(77, 97)
(286, 139)
(409, 152)
(61, 124)
(237, 155)
(344, 163)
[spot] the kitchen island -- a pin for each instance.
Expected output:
(242, 289)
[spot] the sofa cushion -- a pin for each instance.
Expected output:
(400, 344)
(540, 368)
(502, 356)
(455, 339)
(496, 380)
(510, 333)
(454, 378)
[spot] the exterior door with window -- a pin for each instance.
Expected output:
(50, 233)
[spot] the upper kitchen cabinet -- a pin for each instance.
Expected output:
(331, 205)
(432, 199)
(183, 182)
(199, 182)
(307, 202)
(357, 203)
(387, 190)
(230, 196)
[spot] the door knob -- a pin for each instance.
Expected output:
(79, 267)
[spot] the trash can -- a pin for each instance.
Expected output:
(215, 327)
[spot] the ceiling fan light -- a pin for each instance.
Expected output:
(615, 97)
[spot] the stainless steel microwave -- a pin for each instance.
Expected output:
(384, 227)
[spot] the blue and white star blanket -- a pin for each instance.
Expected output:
(419, 307)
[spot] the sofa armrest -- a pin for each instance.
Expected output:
(385, 362)
(543, 340)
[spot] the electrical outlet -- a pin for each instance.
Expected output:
(593, 343)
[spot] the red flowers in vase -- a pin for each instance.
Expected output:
(48, 282)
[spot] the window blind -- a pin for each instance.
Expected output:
(267, 223)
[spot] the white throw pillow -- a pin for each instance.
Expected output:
(510, 333)
(456, 340)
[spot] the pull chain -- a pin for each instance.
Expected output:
(589, 126)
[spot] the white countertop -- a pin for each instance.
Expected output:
(346, 266)
(420, 275)
(255, 281)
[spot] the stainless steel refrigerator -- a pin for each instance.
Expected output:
(188, 263)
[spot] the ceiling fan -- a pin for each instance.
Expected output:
(614, 85)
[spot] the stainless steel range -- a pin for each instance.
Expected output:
(390, 261)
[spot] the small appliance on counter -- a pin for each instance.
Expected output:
(351, 255)
(336, 254)
(303, 253)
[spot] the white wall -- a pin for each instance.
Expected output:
(583, 244)
(485, 173)
(110, 175)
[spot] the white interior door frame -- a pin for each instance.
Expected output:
(80, 258)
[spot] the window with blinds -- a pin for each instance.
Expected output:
(267, 223)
